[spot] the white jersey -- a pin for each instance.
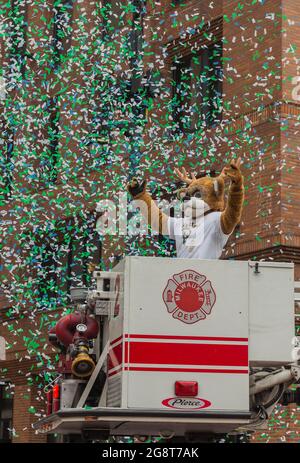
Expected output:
(205, 241)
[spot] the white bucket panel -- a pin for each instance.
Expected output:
(192, 320)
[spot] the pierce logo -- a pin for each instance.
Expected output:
(194, 403)
(189, 296)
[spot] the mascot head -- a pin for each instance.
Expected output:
(208, 190)
(206, 193)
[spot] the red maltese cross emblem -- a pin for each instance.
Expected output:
(189, 296)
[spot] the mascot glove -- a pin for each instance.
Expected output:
(234, 173)
(136, 188)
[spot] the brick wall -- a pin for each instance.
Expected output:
(26, 410)
(283, 427)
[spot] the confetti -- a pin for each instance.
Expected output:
(92, 93)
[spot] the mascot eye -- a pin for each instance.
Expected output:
(197, 194)
(181, 195)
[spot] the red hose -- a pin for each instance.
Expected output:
(54, 342)
(65, 329)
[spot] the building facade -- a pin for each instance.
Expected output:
(96, 91)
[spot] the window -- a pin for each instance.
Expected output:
(53, 134)
(62, 29)
(6, 164)
(6, 300)
(6, 412)
(178, 2)
(102, 112)
(113, 16)
(136, 43)
(63, 255)
(114, 113)
(18, 39)
(138, 27)
(197, 88)
(49, 157)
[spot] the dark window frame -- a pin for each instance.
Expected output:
(8, 136)
(61, 42)
(210, 63)
(110, 29)
(76, 261)
(5, 423)
(179, 2)
(49, 167)
(18, 54)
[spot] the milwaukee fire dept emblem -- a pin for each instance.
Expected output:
(189, 296)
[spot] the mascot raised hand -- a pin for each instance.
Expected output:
(207, 221)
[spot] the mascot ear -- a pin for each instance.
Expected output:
(218, 184)
(216, 187)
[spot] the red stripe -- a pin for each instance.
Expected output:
(199, 338)
(116, 340)
(115, 356)
(115, 372)
(192, 370)
(187, 354)
(126, 352)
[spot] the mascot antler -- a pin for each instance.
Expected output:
(183, 176)
(225, 174)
